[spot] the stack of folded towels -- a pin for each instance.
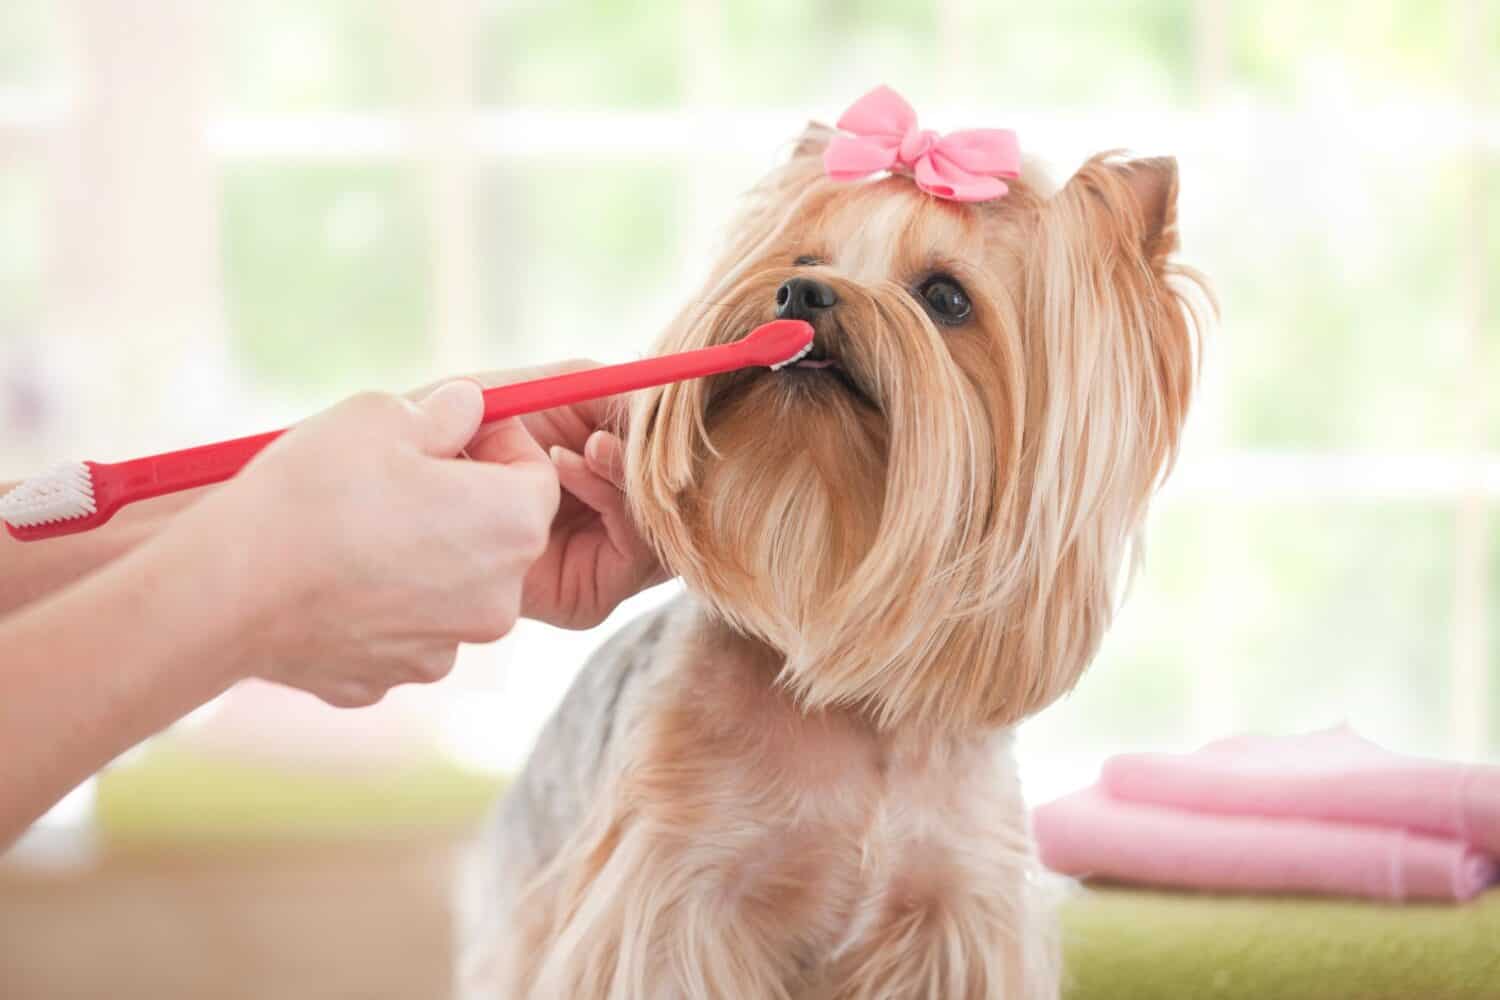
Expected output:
(1327, 813)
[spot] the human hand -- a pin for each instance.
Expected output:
(594, 558)
(369, 554)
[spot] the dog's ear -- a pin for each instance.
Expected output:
(1113, 345)
(812, 141)
(1153, 185)
(1136, 199)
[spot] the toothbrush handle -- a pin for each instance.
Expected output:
(575, 387)
(119, 483)
(175, 471)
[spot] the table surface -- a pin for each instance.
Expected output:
(285, 921)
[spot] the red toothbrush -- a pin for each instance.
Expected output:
(77, 496)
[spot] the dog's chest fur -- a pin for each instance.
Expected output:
(819, 818)
(680, 795)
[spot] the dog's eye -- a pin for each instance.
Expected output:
(947, 299)
(807, 260)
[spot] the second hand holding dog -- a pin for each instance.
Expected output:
(594, 557)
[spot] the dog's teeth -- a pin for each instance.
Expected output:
(793, 359)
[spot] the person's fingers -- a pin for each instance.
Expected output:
(508, 442)
(352, 693)
(604, 498)
(530, 489)
(451, 413)
(599, 412)
(432, 664)
(605, 454)
(596, 492)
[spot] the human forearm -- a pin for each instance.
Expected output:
(30, 571)
(352, 555)
(102, 665)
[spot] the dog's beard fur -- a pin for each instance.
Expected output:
(940, 535)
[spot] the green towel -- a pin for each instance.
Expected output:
(173, 794)
(1138, 945)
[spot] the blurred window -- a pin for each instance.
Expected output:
(402, 189)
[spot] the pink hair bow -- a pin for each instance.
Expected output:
(959, 166)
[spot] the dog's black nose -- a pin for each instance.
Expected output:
(803, 298)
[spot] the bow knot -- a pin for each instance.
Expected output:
(884, 137)
(915, 144)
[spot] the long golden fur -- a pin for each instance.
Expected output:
(805, 789)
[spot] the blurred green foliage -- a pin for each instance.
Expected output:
(1338, 263)
(1074, 53)
(614, 53)
(1489, 218)
(1336, 609)
(575, 258)
(1342, 316)
(22, 202)
(611, 53)
(783, 51)
(29, 41)
(326, 272)
(1309, 614)
(285, 56)
(1402, 49)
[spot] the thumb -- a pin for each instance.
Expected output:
(452, 413)
(508, 442)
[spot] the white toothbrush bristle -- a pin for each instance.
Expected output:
(794, 358)
(62, 494)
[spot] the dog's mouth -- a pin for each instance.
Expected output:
(820, 363)
(822, 372)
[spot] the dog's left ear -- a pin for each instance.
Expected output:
(1116, 343)
(1138, 196)
(1153, 184)
(1130, 200)
(812, 141)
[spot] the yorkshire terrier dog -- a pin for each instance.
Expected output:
(796, 781)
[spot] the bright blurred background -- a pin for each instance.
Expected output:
(217, 217)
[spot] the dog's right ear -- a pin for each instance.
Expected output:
(812, 141)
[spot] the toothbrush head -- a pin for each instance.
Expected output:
(62, 494)
(778, 343)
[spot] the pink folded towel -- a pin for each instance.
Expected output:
(1332, 775)
(1326, 812)
(1092, 834)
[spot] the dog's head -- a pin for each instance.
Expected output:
(931, 515)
